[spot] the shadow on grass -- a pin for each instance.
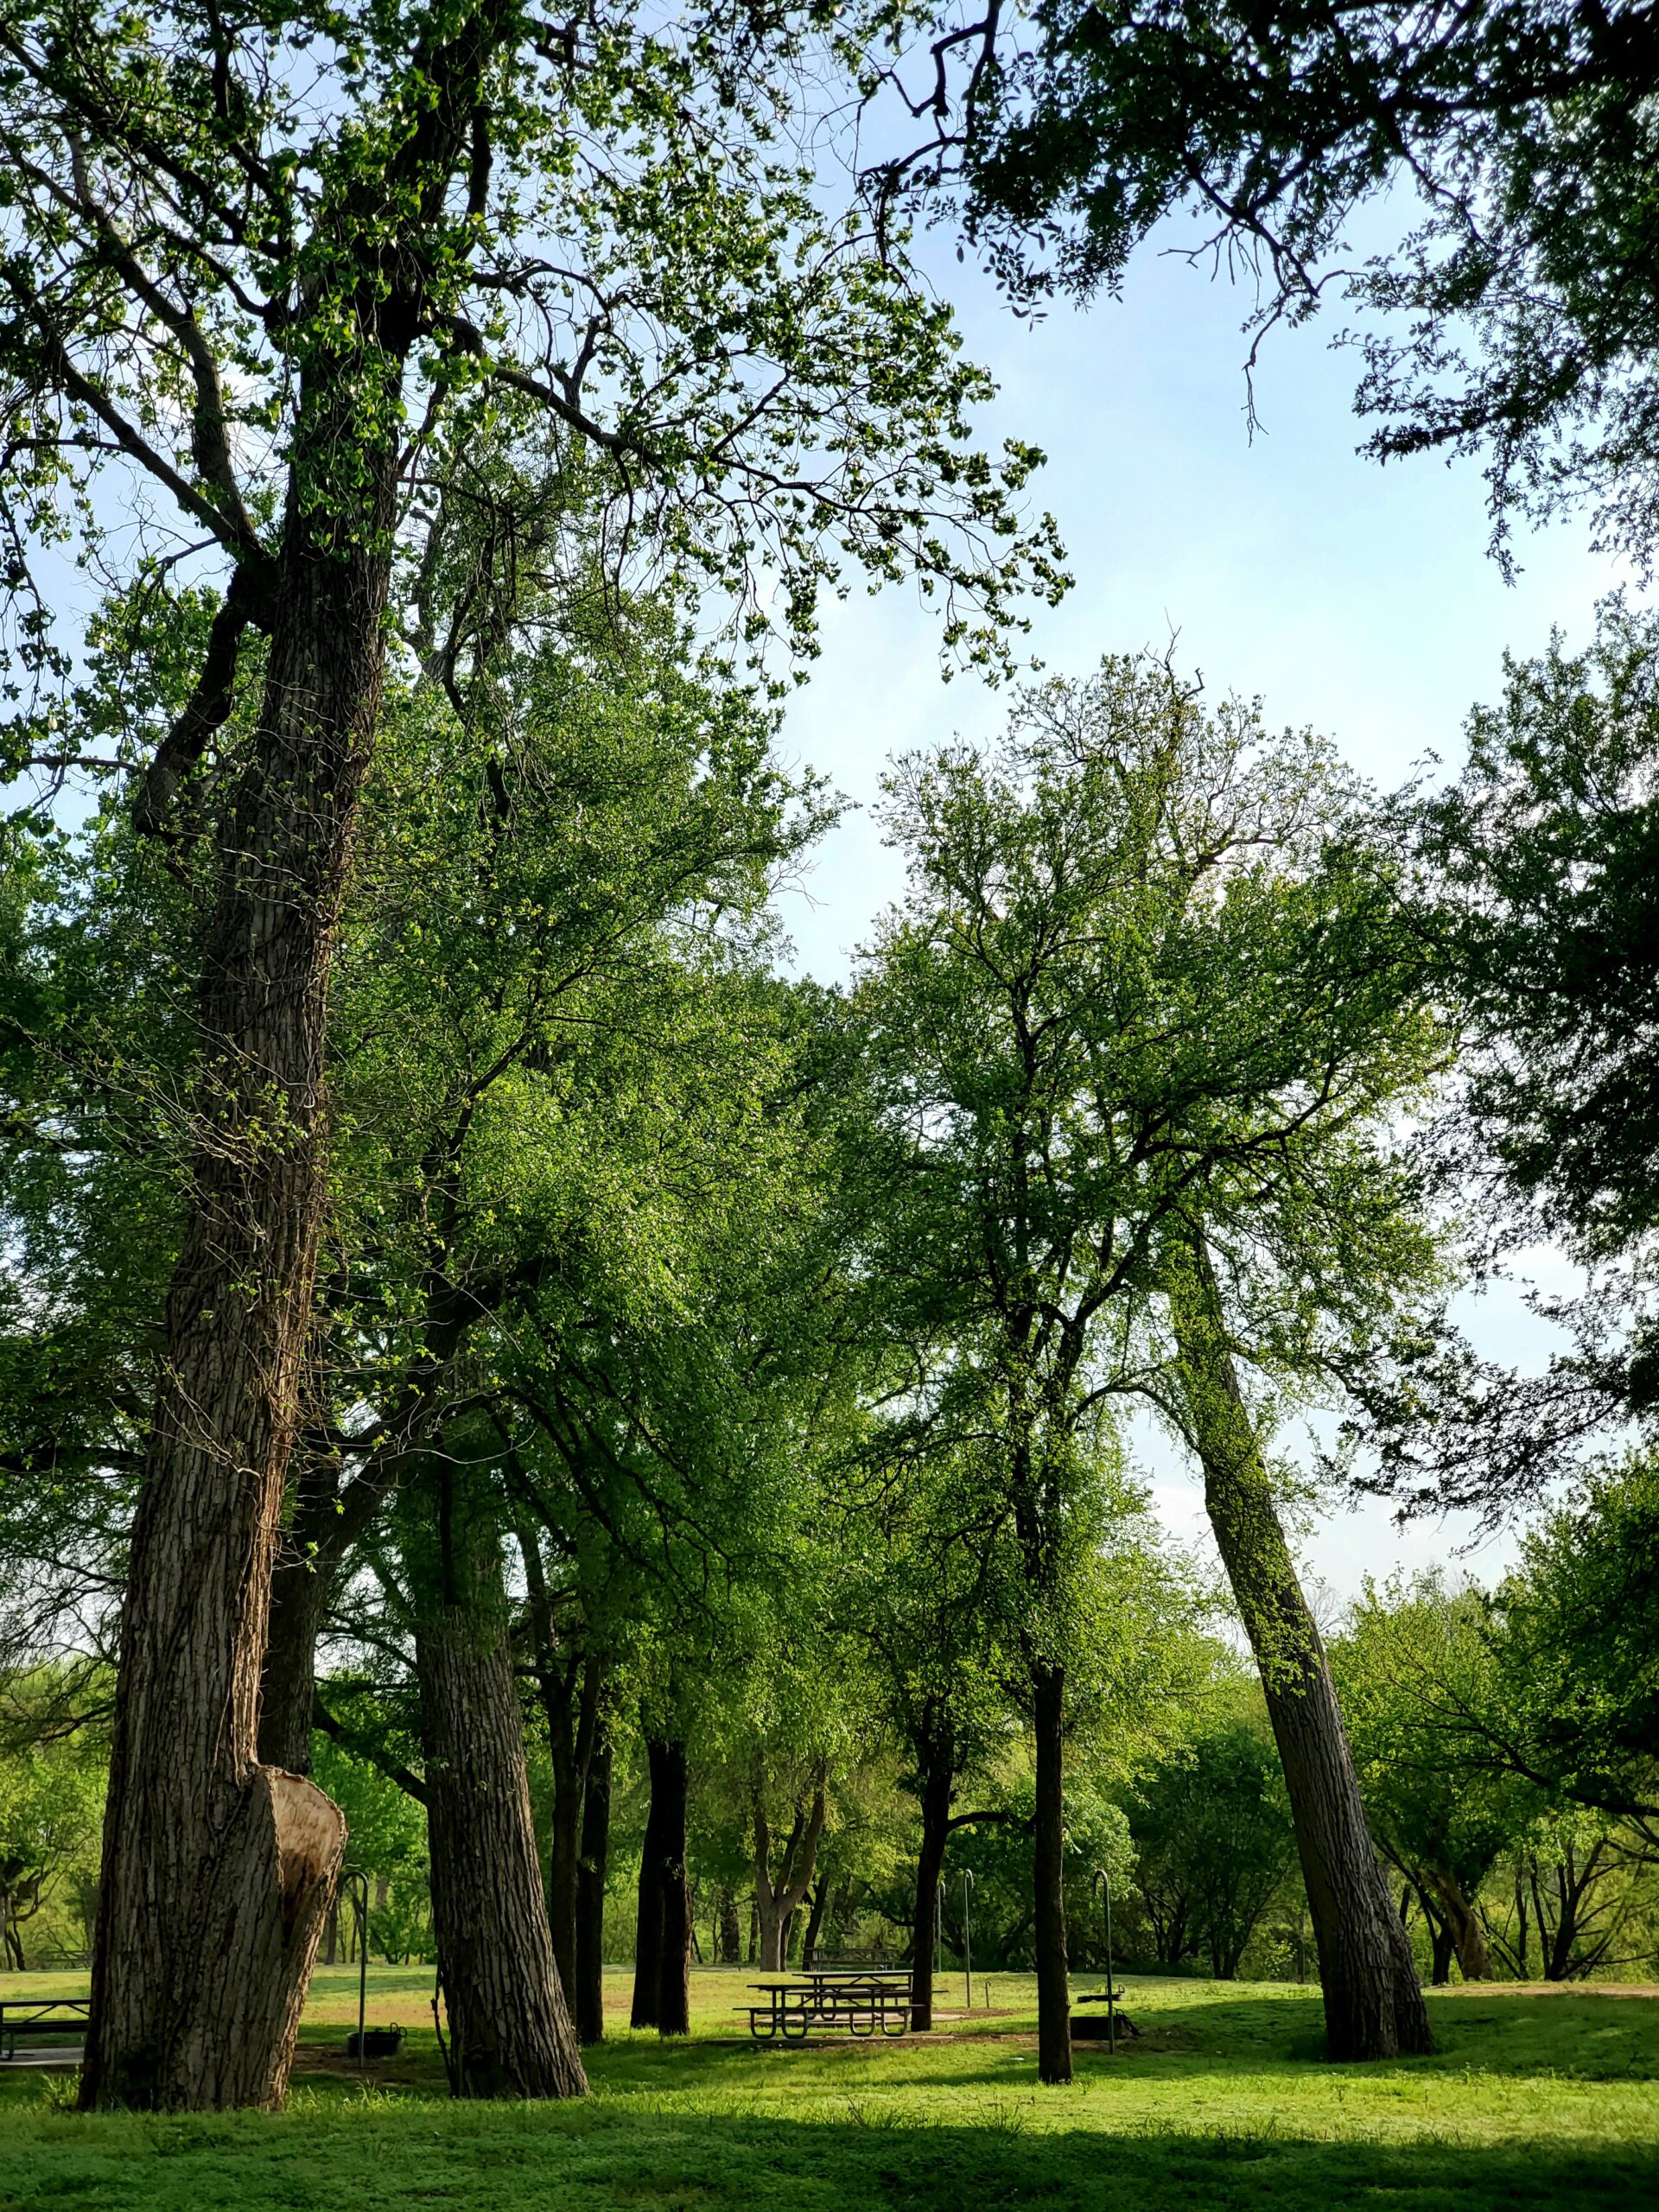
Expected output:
(1585, 2037)
(1580, 2037)
(604, 2158)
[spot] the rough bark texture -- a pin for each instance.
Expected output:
(778, 1896)
(937, 1784)
(216, 1872)
(1373, 2004)
(590, 1892)
(510, 2034)
(1048, 1873)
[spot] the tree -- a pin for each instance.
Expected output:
(1516, 321)
(575, 869)
(244, 300)
(1574, 1631)
(51, 1774)
(1537, 864)
(1155, 972)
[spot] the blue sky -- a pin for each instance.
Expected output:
(1357, 599)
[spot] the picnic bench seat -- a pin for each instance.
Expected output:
(863, 2003)
(62, 2016)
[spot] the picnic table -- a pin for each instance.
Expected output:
(861, 2002)
(58, 2015)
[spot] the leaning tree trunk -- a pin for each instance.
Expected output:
(937, 1781)
(217, 1871)
(509, 2033)
(1048, 1875)
(590, 1892)
(1373, 2002)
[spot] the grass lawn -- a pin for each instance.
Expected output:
(1533, 2098)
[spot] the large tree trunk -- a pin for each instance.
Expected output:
(509, 2033)
(1048, 1875)
(1373, 2004)
(218, 1872)
(937, 1781)
(590, 1892)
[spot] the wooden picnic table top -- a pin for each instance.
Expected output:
(815, 1978)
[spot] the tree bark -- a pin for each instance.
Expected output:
(509, 2033)
(590, 1892)
(329, 1518)
(1373, 2004)
(1048, 1870)
(1463, 1926)
(937, 1782)
(218, 1871)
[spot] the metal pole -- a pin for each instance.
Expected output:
(938, 1930)
(357, 1882)
(1104, 1882)
(967, 1937)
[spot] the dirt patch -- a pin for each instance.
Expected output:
(410, 2072)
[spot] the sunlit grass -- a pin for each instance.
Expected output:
(1532, 2098)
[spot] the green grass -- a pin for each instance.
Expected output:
(1532, 2098)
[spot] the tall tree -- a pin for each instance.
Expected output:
(511, 2033)
(1153, 966)
(263, 304)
